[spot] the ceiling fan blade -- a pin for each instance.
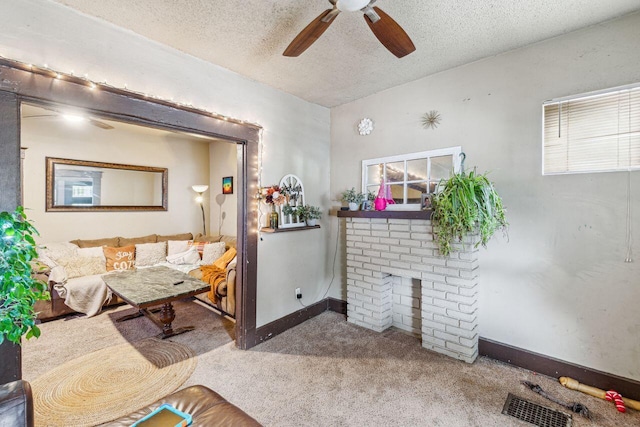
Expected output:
(101, 125)
(311, 33)
(390, 34)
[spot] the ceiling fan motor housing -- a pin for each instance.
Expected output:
(351, 5)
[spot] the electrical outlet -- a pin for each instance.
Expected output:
(298, 293)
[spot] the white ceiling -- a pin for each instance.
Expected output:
(347, 62)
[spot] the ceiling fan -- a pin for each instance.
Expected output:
(388, 31)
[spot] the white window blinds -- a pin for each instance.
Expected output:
(593, 133)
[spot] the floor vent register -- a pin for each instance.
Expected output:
(535, 414)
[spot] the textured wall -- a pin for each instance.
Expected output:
(559, 285)
(185, 159)
(223, 207)
(296, 133)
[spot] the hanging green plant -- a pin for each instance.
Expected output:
(466, 204)
(18, 289)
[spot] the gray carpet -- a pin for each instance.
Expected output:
(325, 372)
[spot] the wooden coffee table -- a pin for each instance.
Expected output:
(150, 287)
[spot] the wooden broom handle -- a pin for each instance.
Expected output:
(572, 384)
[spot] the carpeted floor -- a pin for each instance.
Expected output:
(325, 372)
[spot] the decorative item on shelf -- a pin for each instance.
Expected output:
(367, 204)
(310, 214)
(431, 119)
(200, 188)
(365, 127)
(273, 196)
(353, 198)
(425, 201)
(464, 204)
(292, 188)
(380, 202)
(273, 218)
(388, 197)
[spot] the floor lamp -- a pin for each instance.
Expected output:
(201, 189)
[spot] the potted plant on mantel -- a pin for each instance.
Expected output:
(353, 198)
(19, 291)
(466, 204)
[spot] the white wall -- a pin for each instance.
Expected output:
(296, 133)
(559, 285)
(186, 161)
(223, 207)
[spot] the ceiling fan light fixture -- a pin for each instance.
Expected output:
(351, 5)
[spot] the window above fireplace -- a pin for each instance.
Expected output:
(410, 175)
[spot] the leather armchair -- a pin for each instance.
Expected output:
(16, 408)
(207, 408)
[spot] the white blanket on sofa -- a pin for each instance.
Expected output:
(84, 294)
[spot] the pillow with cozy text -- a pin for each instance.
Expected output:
(120, 259)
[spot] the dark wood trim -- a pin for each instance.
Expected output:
(386, 214)
(337, 305)
(10, 196)
(282, 230)
(558, 368)
(270, 330)
(31, 84)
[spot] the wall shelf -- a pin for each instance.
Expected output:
(283, 230)
(426, 214)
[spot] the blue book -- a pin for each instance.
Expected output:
(165, 416)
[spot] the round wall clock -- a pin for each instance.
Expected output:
(365, 127)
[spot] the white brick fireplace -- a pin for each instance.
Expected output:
(396, 276)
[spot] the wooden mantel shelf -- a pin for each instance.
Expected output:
(282, 230)
(386, 214)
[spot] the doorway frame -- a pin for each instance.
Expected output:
(23, 83)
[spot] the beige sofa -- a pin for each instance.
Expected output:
(66, 291)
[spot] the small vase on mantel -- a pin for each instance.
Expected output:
(273, 218)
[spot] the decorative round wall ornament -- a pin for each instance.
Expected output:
(365, 127)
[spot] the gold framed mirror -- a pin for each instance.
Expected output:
(85, 186)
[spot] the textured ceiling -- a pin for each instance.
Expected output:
(347, 62)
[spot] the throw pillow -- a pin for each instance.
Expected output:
(120, 259)
(208, 239)
(110, 241)
(177, 246)
(77, 266)
(229, 240)
(148, 254)
(49, 253)
(212, 251)
(190, 256)
(125, 241)
(183, 236)
(198, 245)
(92, 253)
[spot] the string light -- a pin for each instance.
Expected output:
(93, 85)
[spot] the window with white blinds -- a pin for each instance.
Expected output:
(594, 133)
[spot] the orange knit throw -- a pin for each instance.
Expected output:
(215, 273)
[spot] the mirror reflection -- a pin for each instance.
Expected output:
(78, 185)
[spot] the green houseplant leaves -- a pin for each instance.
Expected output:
(18, 289)
(466, 204)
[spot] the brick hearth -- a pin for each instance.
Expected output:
(396, 276)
